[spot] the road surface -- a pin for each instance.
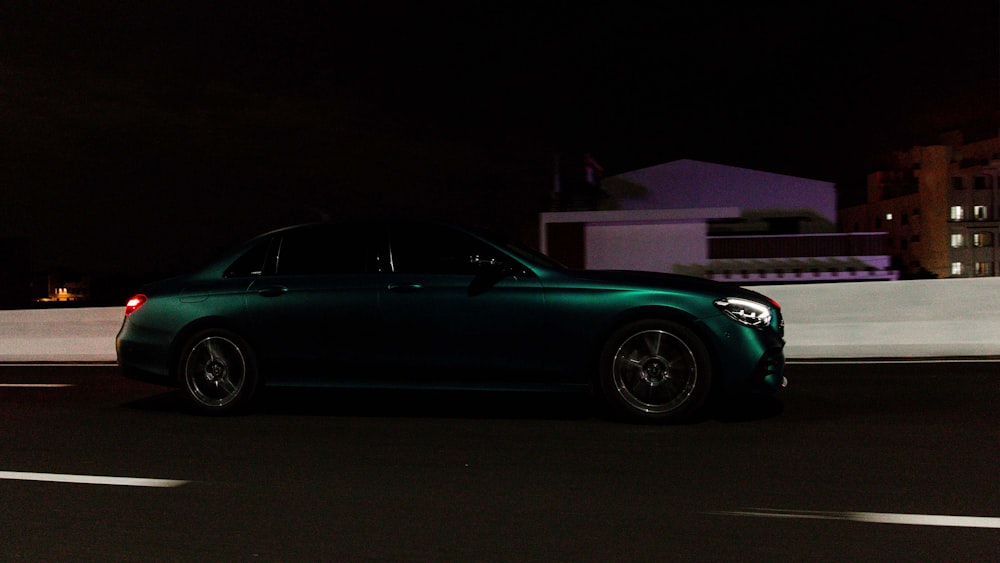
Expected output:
(853, 462)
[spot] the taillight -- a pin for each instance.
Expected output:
(134, 303)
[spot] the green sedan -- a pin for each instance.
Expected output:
(413, 304)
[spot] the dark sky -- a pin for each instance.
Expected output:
(139, 138)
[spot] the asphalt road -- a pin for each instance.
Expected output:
(888, 462)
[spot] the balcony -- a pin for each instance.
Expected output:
(797, 246)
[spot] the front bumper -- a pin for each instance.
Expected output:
(770, 373)
(747, 359)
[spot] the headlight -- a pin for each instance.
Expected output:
(744, 311)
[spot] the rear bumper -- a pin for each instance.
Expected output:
(143, 362)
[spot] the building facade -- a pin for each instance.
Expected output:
(715, 221)
(938, 205)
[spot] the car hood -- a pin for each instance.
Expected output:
(659, 280)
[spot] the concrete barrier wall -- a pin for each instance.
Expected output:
(918, 318)
(63, 335)
(925, 318)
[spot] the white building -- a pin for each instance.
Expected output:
(685, 216)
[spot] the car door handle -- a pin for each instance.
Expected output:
(272, 291)
(404, 287)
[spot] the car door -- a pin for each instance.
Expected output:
(315, 306)
(456, 310)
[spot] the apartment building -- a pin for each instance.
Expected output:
(938, 205)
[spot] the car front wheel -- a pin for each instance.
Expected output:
(655, 370)
(218, 371)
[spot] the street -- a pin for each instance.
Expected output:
(852, 462)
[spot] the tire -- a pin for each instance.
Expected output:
(654, 371)
(217, 370)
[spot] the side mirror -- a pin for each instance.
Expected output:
(489, 272)
(486, 263)
(492, 266)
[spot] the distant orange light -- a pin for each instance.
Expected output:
(133, 304)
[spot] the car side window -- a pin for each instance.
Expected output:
(322, 250)
(252, 263)
(430, 249)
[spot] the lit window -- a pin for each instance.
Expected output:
(957, 213)
(983, 268)
(982, 239)
(957, 240)
(888, 216)
(979, 212)
(956, 268)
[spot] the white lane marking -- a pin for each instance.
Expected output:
(36, 385)
(101, 364)
(877, 361)
(90, 479)
(874, 517)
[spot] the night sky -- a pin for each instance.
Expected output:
(138, 139)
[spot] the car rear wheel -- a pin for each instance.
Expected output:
(218, 371)
(655, 370)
